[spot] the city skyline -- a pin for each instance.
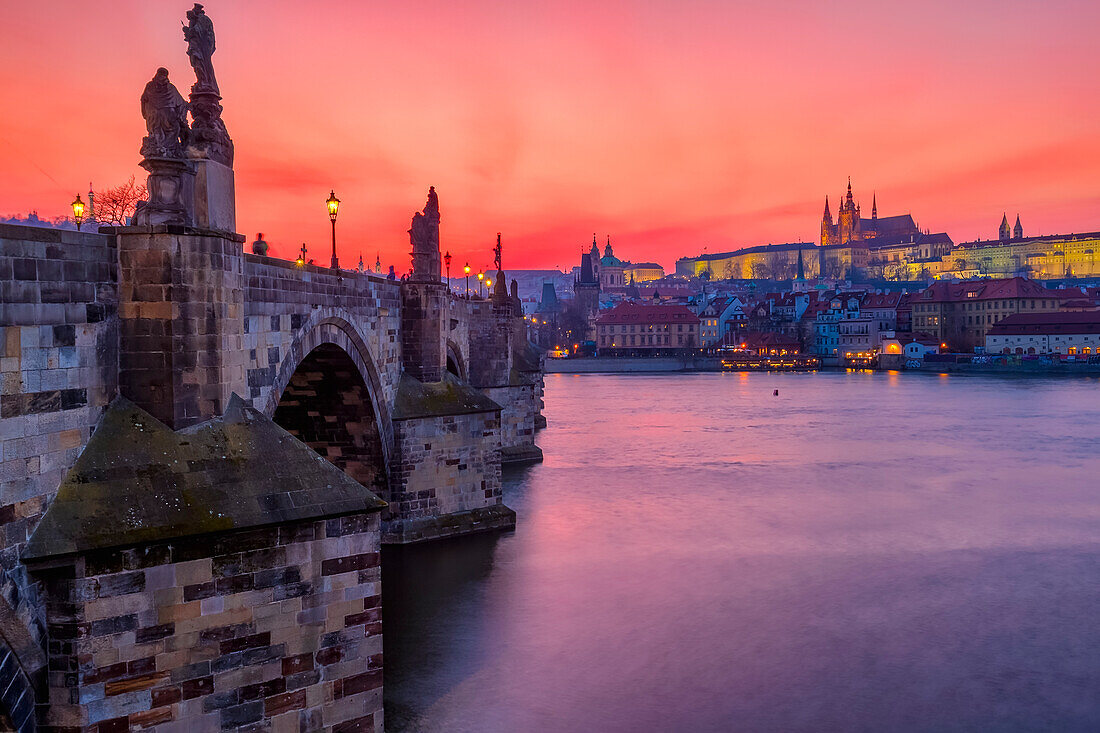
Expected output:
(632, 120)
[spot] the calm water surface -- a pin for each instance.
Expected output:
(863, 552)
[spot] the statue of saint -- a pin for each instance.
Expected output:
(199, 34)
(165, 113)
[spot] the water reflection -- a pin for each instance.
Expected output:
(862, 552)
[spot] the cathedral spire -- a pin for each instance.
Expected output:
(1018, 230)
(1004, 233)
(874, 206)
(848, 198)
(828, 215)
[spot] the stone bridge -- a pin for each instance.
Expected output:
(412, 392)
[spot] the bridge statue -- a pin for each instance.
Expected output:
(165, 114)
(212, 492)
(199, 34)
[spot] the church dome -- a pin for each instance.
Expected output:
(610, 261)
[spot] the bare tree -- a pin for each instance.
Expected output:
(758, 270)
(778, 266)
(115, 206)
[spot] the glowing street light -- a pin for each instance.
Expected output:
(480, 280)
(301, 261)
(467, 269)
(78, 212)
(447, 259)
(333, 207)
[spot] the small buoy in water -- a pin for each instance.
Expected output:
(776, 393)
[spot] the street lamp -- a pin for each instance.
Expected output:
(480, 279)
(447, 260)
(333, 208)
(489, 285)
(301, 261)
(467, 269)
(78, 212)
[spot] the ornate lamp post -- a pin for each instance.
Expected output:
(333, 208)
(467, 269)
(301, 261)
(78, 212)
(489, 285)
(480, 279)
(447, 260)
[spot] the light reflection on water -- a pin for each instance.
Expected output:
(862, 552)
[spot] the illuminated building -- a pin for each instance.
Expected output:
(718, 317)
(1052, 256)
(960, 314)
(648, 329)
(850, 227)
(641, 272)
(769, 261)
(1074, 333)
(611, 269)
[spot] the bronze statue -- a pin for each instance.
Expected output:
(199, 34)
(165, 113)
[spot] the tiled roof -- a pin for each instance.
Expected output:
(881, 300)
(1011, 287)
(1059, 322)
(639, 313)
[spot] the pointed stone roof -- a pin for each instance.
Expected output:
(138, 481)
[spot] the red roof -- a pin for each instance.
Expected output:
(644, 313)
(1009, 287)
(881, 300)
(1074, 322)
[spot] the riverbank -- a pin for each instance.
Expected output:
(624, 365)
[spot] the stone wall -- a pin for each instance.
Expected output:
(273, 629)
(285, 304)
(520, 408)
(446, 470)
(180, 316)
(58, 371)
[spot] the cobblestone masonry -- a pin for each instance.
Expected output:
(275, 629)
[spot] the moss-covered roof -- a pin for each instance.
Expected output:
(137, 481)
(417, 399)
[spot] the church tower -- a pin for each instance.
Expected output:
(1004, 234)
(1018, 230)
(827, 232)
(847, 222)
(874, 207)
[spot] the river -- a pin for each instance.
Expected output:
(864, 551)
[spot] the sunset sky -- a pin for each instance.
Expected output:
(671, 125)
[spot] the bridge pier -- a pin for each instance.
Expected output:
(181, 305)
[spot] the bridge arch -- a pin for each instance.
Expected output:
(328, 393)
(456, 365)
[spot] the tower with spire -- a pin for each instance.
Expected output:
(1004, 234)
(1018, 230)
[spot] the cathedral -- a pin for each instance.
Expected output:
(850, 226)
